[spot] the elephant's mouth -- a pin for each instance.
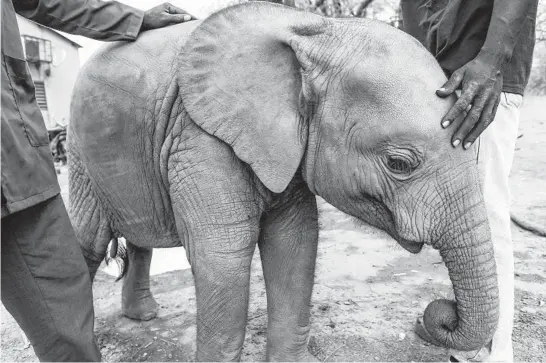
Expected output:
(410, 246)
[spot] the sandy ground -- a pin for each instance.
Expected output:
(368, 290)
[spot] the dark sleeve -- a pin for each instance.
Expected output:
(94, 19)
(414, 12)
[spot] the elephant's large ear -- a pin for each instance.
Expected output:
(240, 81)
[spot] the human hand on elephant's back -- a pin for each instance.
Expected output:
(480, 81)
(164, 15)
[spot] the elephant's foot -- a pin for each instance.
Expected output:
(137, 300)
(140, 306)
(303, 357)
(294, 348)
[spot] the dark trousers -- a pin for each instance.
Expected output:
(46, 284)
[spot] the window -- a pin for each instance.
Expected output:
(36, 49)
(41, 95)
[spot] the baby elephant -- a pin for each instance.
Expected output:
(217, 135)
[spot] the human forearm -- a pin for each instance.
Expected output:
(507, 21)
(91, 18)
(25, 5)
(481, 79)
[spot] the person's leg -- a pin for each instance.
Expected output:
(496, 153)
(46, 285)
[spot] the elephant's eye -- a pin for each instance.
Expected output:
(399, 165)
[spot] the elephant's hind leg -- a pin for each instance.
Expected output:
(137, 300)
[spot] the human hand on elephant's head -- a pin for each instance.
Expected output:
(480, 81)
(164, 15)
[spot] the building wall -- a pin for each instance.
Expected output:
(63, 72)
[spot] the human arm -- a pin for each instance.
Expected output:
(100, 20)
(481, 79)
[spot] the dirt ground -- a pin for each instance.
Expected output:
(367, 295)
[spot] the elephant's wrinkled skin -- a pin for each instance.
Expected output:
(216, 135)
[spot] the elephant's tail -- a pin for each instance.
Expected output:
(528, 226)
(118, 252)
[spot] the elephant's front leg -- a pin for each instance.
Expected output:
(288, 248)
(136, 299)
(221, 260)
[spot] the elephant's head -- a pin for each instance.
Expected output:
(352, 103)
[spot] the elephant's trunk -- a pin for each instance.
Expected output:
(467, 251)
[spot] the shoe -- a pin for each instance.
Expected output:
(480, 355)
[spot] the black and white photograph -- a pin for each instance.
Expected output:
(273, 180)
